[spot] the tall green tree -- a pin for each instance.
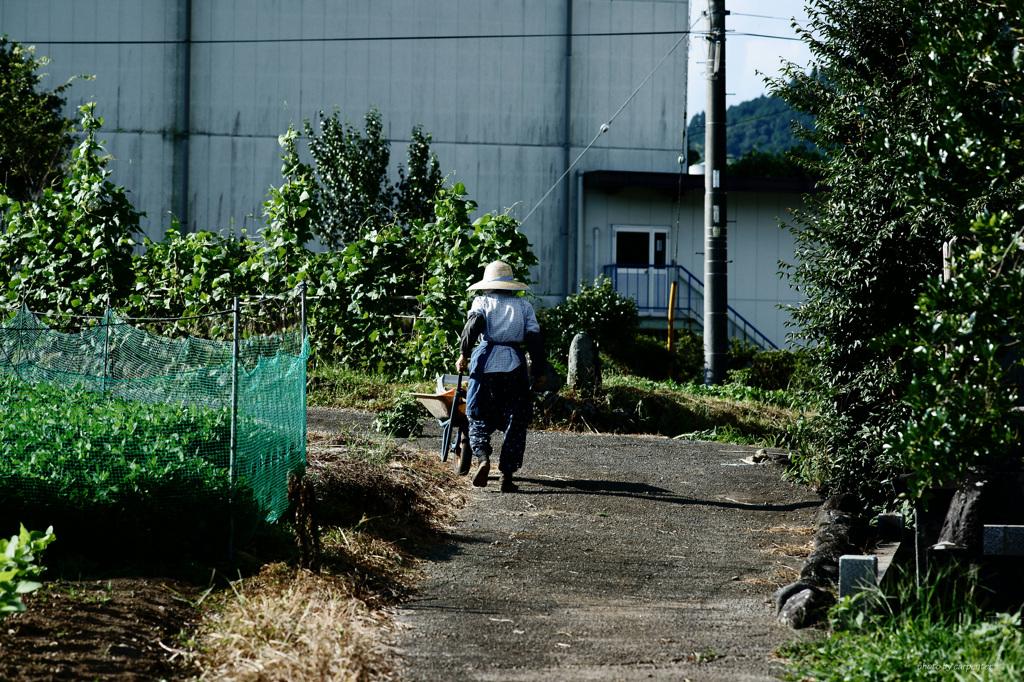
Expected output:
(35, 136)
(918, 108)
(417, 186)
(356, 195)
(866, 246)
(352, 169)
(963, 351)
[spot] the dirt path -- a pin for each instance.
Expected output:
(622, 558)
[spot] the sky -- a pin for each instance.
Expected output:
(745, 55)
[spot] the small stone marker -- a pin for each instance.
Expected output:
(857, 573)
(583, 372)
(1004, 540)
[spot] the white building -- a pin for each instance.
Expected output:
(194, 94)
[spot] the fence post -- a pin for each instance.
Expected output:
(303, 286)
(106, 347)
(233, 447)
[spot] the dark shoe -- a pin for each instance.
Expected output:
(507, 484)
(480, 477)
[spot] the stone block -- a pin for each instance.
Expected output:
(857, 573)
(1003, 540)
(890, 527)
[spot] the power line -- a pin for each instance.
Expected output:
(759, 16)
(378, 39)
(356, 39)
(764, 35)
(605, 126)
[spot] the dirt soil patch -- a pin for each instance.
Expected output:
(122, 629)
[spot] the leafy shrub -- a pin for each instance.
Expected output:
(689, 357)
(966, 365)
(403, 420)
(610, 319)
(774, 370)
(71, 249)
(648, 356)
(18, 569)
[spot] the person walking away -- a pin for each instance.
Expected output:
(498, 395)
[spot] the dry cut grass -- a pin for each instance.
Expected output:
(305, 626)
(377, 503)
(793, 549)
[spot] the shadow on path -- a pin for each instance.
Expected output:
(641, 491)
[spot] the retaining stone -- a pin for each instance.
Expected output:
(1004, 540)
(857, 573)
(805, 607)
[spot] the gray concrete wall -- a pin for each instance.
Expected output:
(495, 106)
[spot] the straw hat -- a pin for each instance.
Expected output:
(498, 275)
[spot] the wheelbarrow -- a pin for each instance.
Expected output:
(448, 406)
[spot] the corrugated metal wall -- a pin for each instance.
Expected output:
(485, 77)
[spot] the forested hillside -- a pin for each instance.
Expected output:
(763, 124)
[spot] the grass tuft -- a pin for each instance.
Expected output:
(334, 386)
(935, 632)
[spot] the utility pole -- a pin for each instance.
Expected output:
(716, 307)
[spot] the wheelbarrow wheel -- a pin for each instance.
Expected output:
(465, 459)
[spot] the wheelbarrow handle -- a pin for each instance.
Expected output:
(458, 392)
(452, 423)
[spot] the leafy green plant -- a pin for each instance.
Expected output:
(71, 250)
(157, 472)
(18, 568)
(35, 136)
(403, 420)
(608, 317)
(913, 636)
(966, 365)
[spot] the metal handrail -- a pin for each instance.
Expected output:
(694, 288)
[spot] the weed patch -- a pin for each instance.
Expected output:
(729, 414)
(928, 633)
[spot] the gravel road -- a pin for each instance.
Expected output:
(621, 558)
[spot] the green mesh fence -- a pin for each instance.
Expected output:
(115, 428)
